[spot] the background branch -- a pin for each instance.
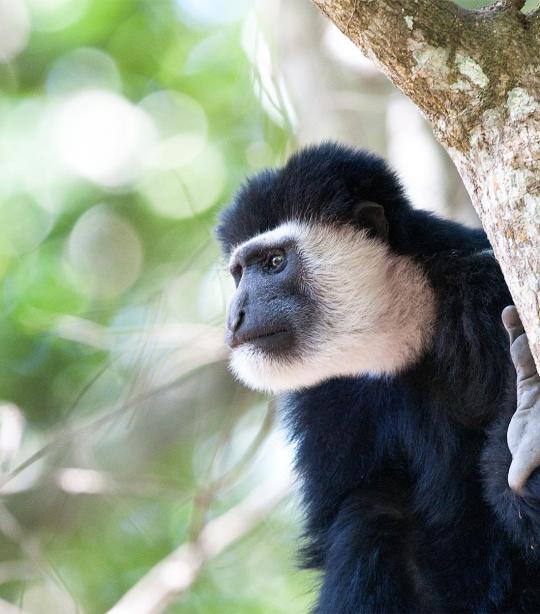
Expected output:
(9, 608)
(173, 575)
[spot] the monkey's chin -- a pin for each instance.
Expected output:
(271, 373)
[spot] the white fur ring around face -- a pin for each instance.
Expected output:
(375, 310)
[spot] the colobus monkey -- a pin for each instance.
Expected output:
(380, 327)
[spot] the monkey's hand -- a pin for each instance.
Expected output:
(523, 433)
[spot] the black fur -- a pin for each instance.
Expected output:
(404, 478)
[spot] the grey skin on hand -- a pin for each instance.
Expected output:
(523, 434)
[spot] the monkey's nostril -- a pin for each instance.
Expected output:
(238, 321)
(235, 322)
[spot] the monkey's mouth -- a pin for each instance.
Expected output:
(273, 340)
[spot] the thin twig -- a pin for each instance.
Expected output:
(69, 434)
(174, 574)
(30, 547)
(204, 498)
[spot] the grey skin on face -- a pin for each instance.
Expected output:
(268, 309)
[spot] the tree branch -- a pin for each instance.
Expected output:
(534, 22)
(445, 58)
(173, 575)
(9, 608)
(510, 5)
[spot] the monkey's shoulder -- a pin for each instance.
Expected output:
(469, 279)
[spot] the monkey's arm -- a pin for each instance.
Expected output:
(367, 566)
(512, 456)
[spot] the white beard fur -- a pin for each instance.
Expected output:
(376, 318)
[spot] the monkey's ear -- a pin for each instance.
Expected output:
(371, 216)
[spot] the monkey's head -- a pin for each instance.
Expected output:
(320, 292)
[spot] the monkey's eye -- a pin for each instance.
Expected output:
(275, 262)
(236, 272)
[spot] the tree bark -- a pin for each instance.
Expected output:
(476, 77)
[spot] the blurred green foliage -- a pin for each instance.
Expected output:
(124, 127)
(149, 49)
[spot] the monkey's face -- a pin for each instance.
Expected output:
(319, 301)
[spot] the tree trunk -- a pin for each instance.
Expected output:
(476, 77)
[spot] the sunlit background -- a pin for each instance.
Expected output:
(133, 470)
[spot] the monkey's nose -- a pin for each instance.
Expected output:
(235, 320)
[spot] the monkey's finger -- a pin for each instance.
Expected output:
(524, 462)
(517, 429)
(519, 344)
(512, 322)
(523, 359)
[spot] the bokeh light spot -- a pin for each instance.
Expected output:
(104, 253)
(83, 68)
(25, 149)
(14, 28)
(23, 225)
(212, 12)
(103, 137)
(52, 15)
(182, 127)
(189, 189)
